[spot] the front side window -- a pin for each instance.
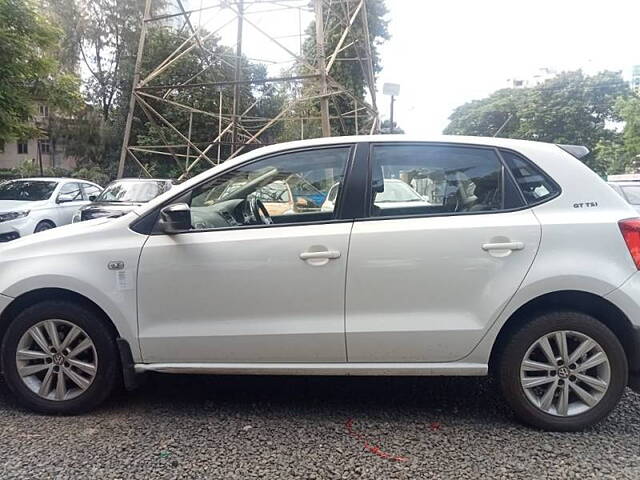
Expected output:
(288, 188)
(431, 179)
(27, 190)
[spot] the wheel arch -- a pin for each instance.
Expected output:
(588, 303)
(32, 297)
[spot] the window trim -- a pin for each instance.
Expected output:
(148, 223)
(368, 197)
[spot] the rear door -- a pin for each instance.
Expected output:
(426, 277)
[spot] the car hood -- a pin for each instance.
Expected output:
(13, 205)
(107, 209)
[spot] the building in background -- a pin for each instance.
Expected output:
(539, 76)
(51, 154)
(635, 79)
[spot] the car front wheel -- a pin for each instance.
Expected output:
(563, 371)
(59, 357)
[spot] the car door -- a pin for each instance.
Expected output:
(68, 201)
(229, 290)
(427, 278)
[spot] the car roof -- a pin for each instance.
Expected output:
(142, 180)
(54, 179)
(626, 183)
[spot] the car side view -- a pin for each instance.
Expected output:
(33, 205)
(449, 256)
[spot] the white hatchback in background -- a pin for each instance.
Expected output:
(522, 263)
(33, 205)
(630, 191)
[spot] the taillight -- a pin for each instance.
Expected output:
(630, 229)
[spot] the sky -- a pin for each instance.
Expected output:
(444, 53)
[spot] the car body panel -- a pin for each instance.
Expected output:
(244, 295)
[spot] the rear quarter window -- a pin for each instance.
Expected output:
(535, 185)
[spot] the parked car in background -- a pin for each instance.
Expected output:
(523, 264)
(33, 205)
(122, 196)
(393, 193)
(630, 191)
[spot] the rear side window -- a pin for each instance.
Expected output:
(435, 180)
(535, 185)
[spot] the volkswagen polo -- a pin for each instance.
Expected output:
(520, 262)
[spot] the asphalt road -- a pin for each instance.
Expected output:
(269, 427)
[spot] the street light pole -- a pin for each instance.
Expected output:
(393, 90)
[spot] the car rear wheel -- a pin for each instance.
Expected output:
(59, 357)
(563, 371)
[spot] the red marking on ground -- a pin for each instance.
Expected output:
(435, 426)
(372, 448)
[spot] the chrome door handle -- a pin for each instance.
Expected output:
(503, 246)
(326, 254)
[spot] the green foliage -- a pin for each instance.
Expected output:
(29, 69)
(385, 128)
(571, 108)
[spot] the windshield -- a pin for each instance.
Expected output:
(132, 192)
(398, 191)
(30, 191)
(632, 192)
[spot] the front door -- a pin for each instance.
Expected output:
(69, 200)
(446, 245)
(246, 284)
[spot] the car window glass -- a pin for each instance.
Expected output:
(27, 190)
(632, 193)
(71, 192)
(292, 188)
(534, 184)
(91, 190)
(430, 179)
(129, 191)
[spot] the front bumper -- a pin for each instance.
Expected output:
(14, 229)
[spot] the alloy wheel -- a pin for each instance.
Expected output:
(56, 359)
(565, 373)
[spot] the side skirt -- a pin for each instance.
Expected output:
(355, 369)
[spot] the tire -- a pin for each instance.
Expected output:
(44, 225)
(532, 405)
(82, 388)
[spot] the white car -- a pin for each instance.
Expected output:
(630, 191)
(394, 194)
(33, 205)
(524, 264)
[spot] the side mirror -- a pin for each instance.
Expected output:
(175, 218)
(92, 198)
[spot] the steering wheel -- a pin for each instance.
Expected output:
(259, 211)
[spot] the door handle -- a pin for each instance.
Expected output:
(503, 246)
(326, 254)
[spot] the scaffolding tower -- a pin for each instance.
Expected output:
(236, 128)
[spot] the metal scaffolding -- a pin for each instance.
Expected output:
(237, 129)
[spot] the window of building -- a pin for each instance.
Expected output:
(45, 146)
(44, 110)
(23, 148)
(1, 146)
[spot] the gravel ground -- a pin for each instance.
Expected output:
(269, 427)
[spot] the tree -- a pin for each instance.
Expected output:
(29, 69)
(570, 108)
(385, 128)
